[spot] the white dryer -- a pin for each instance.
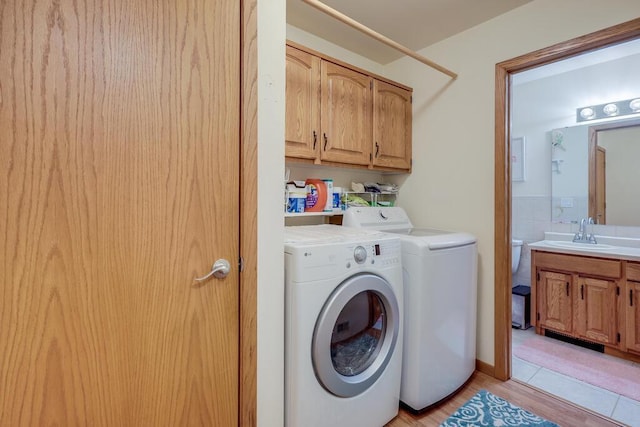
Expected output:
(343, 321)
(440, 295)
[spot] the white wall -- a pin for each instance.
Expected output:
(270, 316)
(452, 184)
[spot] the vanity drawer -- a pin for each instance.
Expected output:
(633, 271)
(580, 264)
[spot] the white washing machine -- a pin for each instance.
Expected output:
(343, 326)
(440, 304)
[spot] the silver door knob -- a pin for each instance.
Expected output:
(220, 270)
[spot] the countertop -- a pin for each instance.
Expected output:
(607, 246)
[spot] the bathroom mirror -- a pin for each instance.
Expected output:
(594, 172)
(614, 175)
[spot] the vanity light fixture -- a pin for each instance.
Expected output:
(608, 110)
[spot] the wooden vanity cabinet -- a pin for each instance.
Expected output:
(555, 304)
(631, 300)
(337, 114)
(577, 296)
(596, 311)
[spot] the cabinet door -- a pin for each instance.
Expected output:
(346, 115)
(633, 315)
(554, 301)
(391, 126)
(302, 111)
(596, 318)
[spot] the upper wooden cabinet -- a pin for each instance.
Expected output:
(302, 123)
(346, 115)
(392, 126)
(339, 114)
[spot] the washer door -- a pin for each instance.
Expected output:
(355, 335)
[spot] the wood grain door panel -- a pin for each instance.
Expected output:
(555, 301)
(392, 126)
(596, 310)
(302, 112)
(346, 115)
(632, 304)
(119, 164)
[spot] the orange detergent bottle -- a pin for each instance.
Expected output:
(316, 195)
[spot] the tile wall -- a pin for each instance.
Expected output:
(531, 217)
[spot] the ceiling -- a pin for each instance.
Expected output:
(415, 24)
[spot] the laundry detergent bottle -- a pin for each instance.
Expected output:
(316, 195)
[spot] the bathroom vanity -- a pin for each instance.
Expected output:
(588, 291)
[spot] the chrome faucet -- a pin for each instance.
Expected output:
(582, 236)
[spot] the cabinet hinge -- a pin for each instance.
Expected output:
(370, 157)
(411, 99)
(618, 290)
(538, 316)
(618, 336)
(538, 277)
(240, 264)
(371, 84)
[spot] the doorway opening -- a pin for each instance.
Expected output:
(504, 200)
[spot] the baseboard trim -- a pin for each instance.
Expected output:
(485, 368)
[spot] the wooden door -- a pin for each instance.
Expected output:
(391, 126)
(118, 185)
(596, 318)
(346, 115)
(554, 303)
(302, 113)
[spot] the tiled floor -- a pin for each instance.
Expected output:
(615, 406)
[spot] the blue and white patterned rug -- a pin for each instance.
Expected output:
(486, 409)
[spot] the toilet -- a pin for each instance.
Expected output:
(520, 294)
(516, 250)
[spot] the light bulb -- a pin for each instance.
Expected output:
(635, 105)
(587, 113)
(610, 109)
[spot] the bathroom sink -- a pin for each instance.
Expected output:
(578, 245)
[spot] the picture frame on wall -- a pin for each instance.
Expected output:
(517, 159)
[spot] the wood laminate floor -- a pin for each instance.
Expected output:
(540, 403)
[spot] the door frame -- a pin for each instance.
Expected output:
(502, 187)
(248, 345)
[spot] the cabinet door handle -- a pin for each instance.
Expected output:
(567, 287)
(315, 139)
(377, 149)
(581, 291)
(631, 297)
(325, 141)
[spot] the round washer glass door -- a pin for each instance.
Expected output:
(355, 335)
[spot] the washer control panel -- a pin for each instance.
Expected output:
(360, 254)
(314, 262)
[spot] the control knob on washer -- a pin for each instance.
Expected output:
(360, 254)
